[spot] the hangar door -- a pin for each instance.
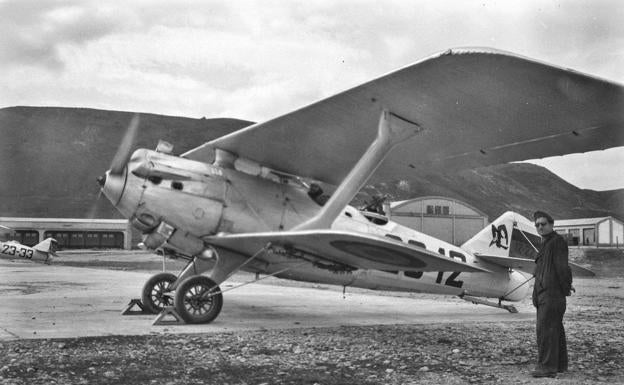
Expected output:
(88, 239)
(589, 236)
(444, 218)
(27, 237)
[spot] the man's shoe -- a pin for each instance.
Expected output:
(539, 374)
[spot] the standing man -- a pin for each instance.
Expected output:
(553, 282)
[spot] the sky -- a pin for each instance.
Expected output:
(256, 60)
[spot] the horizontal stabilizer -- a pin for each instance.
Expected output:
(363, 251)
(580, 271)
(528, 265)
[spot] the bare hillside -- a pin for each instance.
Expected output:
(50, 158)
(521, 187)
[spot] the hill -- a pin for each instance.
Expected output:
(614, 200)
(603, 262)
(520, 187)
(50, 158)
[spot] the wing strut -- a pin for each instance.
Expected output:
(218, 290)
(222, 267)
(392, 130)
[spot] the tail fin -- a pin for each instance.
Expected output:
(510, 235)
(511, 241)
(48, 245)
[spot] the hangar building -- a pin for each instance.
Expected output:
(603, 231)
(445, 218)
(72, 233)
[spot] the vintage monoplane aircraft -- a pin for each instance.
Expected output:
(42, 252)
(273, 198)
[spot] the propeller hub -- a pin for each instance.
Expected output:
(113, 186)
(113, 183)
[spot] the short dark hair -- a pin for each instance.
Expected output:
(542, 214)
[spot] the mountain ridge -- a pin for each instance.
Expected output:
(51, 156)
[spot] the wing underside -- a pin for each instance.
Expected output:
(352, 250)
(477, 107)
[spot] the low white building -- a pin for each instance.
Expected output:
(72, 233)
(603, 231)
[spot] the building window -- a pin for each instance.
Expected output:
(438, 210)
(90, 239)
(575, 237)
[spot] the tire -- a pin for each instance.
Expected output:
(156, 294)
(193, 304)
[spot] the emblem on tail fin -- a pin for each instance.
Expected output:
(498, 233)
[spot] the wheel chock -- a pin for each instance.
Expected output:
(168, 311)
(135, 302)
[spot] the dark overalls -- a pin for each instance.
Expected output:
(553, 282)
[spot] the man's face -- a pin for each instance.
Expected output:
(543, 227)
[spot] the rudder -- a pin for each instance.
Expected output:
(496, 238)
(48, 245)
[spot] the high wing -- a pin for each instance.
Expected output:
(528, 265)
(476, 107)
(344, 248)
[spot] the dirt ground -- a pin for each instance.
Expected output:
(450, 353)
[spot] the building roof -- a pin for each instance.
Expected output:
(62, 220)
(579, 221)
(397, 204)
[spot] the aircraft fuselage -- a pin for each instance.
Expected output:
(196, 200)
(15, 250)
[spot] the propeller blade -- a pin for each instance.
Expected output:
(95, 206)
(123, 152)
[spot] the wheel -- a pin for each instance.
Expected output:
(156, 293)
(196, 302)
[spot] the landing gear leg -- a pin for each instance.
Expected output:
(198, 298)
